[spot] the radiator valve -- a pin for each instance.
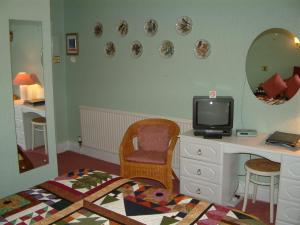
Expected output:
(79, 141)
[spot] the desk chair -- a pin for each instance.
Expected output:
(261, 167)
(39, 124)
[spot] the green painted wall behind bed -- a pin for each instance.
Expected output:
(11, 179)
(155, 85)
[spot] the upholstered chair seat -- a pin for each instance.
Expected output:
(147, 157)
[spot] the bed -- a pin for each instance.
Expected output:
(89, 196)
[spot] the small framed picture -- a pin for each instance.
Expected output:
(72, 44)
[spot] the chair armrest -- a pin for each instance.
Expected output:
(126, 146)
(170, 150)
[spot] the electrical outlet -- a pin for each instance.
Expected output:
(264, 68)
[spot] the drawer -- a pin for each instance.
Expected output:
(278, 222)
(18, 112)
(19, 124)
(200, 170)
(206, 151)
(290, 167)
(289, 212)
(200, 190)
(289, 190)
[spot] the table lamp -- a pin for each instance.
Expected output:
(23, 79)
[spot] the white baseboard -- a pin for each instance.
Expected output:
(95, 153)
(263, 192)
(62, 147)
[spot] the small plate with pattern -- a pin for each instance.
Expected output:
(110, 49)
(123, 28)
(151, 27)
(98, 29)
(166, 49)
(136, 49)
(184, 25)
(202, 49)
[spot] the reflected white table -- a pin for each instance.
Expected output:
(24, 113)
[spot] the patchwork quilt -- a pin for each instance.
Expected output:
(95, 197)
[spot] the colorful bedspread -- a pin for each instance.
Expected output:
(95, 197)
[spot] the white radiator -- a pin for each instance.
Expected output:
(103, 129)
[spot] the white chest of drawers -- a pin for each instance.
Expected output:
(23, 116)
(288, 211)
(202, 170)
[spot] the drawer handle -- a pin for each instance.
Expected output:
(199, 152)
(199, 172)
(198, 191)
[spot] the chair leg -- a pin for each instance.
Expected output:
(169, 185)
(45, 139)
(246, 190)
(254, 190)
(272, 200)
(32, 136)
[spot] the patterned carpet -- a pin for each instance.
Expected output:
(70, 160)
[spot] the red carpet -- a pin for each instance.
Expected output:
(259, 209)
(70, 160)
(37, 156)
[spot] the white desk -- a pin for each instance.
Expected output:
(24, 113)
(208, 170)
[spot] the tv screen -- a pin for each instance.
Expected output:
(213, 115)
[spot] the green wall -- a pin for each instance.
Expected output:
(59, 74)
(155, 85)
(11, 179)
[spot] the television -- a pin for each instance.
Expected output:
(213, 117)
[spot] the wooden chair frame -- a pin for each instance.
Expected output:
(159, 172)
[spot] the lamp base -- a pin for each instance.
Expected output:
(23, 92)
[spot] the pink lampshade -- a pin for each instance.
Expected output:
(23, 78)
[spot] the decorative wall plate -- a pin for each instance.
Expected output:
(166, 49)
(110, 49)
(184, 25)
(98, 29)
(151, 27)
(202, 49)
(123, 28)
(136, 49)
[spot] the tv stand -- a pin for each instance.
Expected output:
(212, 136)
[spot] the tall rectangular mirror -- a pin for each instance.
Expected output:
(26, 47)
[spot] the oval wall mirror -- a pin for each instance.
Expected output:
(26, 50)
(273, 66)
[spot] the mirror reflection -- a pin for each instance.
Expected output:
(26, 49)
(273, 66)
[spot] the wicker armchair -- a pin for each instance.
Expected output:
(161, 172)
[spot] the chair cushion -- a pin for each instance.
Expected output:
(147, 157)
(154, 138)
(293, 84)
(274, 86)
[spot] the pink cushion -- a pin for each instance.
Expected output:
(148, 157)
(153, 138)
(274, 86)
(293, 84)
